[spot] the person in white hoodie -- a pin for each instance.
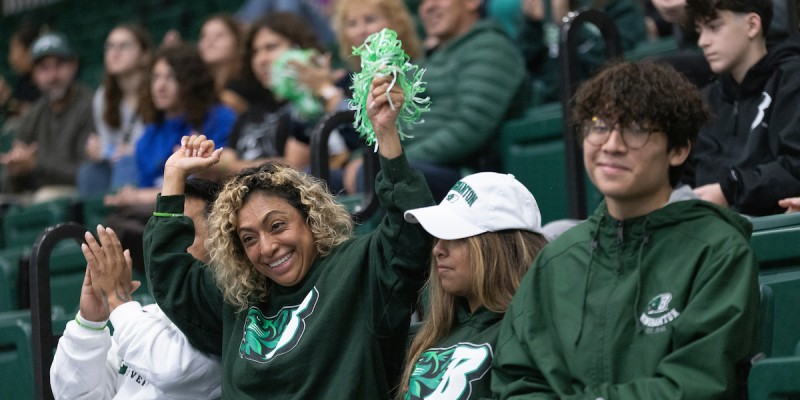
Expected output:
(148, 357)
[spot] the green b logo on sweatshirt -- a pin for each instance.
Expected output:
(448, 373)
(266, 338)
(658, 313)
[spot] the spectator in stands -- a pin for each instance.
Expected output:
(182, 100)
(657, 27)
(270, 129)
(674, 12)
(313, 12)
(475, 80)
(539, 33)
(17, 100)
(220, 45)
(50, 141)
(353, 22)
(748, 157)
(147, 357)
(293, 293)
(662, 292)
(116, 110)
(688, 60)
(488, 231)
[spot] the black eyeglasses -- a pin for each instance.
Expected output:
(597, 132)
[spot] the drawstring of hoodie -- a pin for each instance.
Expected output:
(640, 273)
(588, 278)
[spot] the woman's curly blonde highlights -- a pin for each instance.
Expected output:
(329, 222)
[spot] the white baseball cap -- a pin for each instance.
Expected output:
(478, 203)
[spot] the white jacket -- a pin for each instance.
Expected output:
(147, 358)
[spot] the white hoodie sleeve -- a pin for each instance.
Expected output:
(83, 367)
(151, 344)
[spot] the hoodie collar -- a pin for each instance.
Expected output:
(480, 318)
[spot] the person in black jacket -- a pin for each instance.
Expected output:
(748, 157)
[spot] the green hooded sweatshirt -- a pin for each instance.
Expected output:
(660, 306)
(457, 366)
(337, 334)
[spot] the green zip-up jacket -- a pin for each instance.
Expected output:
(656, 307)
(457, 367)
(475, 82)
(338, 334)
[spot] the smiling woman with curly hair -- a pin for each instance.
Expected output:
(296, 307)
(329, 222)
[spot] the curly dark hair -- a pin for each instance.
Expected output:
(195, 84)
(299, 32)
(706, 10)
(650, 94)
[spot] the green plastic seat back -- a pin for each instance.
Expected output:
(16, 365)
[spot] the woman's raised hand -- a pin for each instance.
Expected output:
(196, 153)
(383, 108)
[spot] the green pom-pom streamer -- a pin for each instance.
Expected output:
(382, 54)
(283, 82)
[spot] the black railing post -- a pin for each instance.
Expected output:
(42, 340)
(321, 169)
(568, 41)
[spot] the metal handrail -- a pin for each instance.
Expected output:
(320, 166)
(42, 339)
(573, 22)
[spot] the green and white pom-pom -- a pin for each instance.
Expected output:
(381, 55)
(284, 83)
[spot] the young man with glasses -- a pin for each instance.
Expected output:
(652, 297)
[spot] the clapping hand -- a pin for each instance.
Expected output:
(109, 281)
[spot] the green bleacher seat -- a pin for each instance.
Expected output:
(532, 149)
(775, 239)
(785, 285)
(776, 378)
(67, 270)
(23, 224)
(9, 277)
(767, 319)
(16, 364)
(94, 211)
(774, 243)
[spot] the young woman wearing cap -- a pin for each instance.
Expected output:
(489, 231)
